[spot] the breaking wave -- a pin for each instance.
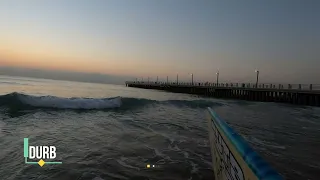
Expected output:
(18, 100)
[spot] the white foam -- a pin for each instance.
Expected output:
(195, 168)
(122, 160)
(265, 143)
(97, 178)
(2, 124)
(186, 155)
(174, 148)
(70, 103)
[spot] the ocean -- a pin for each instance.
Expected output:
(104, 131)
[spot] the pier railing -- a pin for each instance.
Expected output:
(304, 87)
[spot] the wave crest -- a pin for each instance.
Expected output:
(17, 99)
(20, 101)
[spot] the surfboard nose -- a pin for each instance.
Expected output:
(232, 157)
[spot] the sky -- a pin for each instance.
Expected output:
(150, 38)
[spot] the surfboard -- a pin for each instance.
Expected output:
(232, 157)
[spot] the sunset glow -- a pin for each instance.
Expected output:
(145, 38)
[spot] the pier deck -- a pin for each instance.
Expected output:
(293, 94)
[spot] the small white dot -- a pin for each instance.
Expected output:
(153, 166)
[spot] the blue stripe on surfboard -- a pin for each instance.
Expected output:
(258, 165)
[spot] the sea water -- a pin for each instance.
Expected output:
(104, 131)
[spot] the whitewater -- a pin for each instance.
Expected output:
(106, 131)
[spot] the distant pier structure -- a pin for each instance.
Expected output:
(299, 94)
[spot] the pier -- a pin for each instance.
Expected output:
(299, 94)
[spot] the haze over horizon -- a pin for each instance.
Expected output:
(63, 75)
(94, 40)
